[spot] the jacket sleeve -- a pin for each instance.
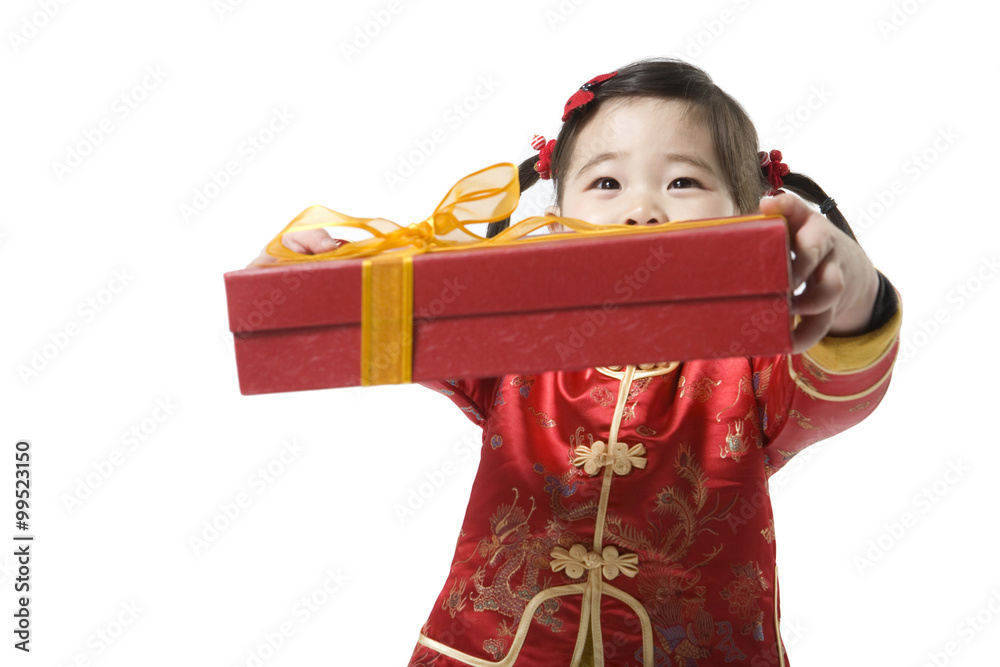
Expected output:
(808, 397)
(474, 396)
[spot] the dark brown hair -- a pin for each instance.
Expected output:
(733, 133)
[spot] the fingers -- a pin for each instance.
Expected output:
(823, 290)
(811, 330)
(263, 259)
(794, 210)
(816, 263)
(812, 235)
(310, 241)
(307, 242)
(816, 305)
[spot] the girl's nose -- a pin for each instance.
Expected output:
(651, 221)
(646, 213)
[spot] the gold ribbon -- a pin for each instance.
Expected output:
(487, 195)
(578, 559)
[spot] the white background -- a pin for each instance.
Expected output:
(886, 96)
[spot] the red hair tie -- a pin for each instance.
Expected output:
(544, 149)
(774, 169)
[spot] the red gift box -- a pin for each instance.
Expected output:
(568, 301)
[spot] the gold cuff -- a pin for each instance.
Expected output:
(851, 354)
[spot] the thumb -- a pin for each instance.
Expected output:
(794, 210)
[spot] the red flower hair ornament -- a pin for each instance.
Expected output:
(578, 99)
(774, 170)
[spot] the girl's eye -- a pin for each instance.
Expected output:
(690, 181)
(610, 183)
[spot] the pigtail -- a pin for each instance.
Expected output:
(527, 176)
(806, 188)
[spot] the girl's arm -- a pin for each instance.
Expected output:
(808, 397)
(845, 343)
(473, 396)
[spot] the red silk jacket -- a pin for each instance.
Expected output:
(621, 516)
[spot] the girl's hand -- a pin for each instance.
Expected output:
(841, 283)
(306, 242)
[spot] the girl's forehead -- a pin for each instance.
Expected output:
(642, 114)
(642, 123)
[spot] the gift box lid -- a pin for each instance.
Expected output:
(746, 256)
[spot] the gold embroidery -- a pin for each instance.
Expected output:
(735, 445)
(495, 647)
(645, 431)
(805, 384)
(761, 381)
(602, 396)
(524, 383)
(768, 532)
(456, 598)
(786, 456)
(860, 406)
(669, 581)
(699, 390)
(743, 594)
(738, 437)
(542, 419)
(637, 387)
(510, 548)
(745, 384)
(814, 369)
(577, 440)
(803, 421)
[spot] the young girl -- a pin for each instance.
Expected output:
(621, 515)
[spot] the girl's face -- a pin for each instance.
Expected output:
(643, 162)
